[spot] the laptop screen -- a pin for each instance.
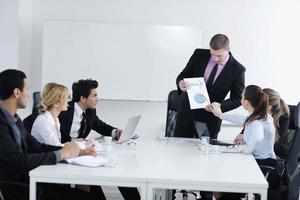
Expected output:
(129, 129)
(201, 129)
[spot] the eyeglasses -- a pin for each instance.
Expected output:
(232, 146)
(130, 145)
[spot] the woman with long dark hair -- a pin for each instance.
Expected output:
(259, 131)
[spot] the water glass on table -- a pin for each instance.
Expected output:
(204, 144)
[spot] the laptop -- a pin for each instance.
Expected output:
(202, 130)
(129, 129)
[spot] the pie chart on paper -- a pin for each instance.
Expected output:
(199, 98)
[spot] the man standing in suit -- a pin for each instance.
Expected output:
(222, 74)
(19, 151)
(81, 118)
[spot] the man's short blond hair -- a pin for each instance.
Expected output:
(219, 41)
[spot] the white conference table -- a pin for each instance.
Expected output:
(171, 164)
(181, 166)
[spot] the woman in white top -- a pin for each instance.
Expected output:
(46, 127)
(259, 130)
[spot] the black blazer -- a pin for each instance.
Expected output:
(16, 161)
(231, 79)
(93, 123)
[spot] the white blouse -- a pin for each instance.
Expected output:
(259, 135)
(47, 130)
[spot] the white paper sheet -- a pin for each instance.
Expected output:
(88, 161)
(197, 93)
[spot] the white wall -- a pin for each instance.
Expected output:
(8, 34)
(126, 58)
(262, 32)
(25, 30)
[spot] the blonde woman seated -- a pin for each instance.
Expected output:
(46, 127)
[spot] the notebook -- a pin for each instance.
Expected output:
(129, 129)
(87, 161)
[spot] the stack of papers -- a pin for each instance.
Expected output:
(88, 161)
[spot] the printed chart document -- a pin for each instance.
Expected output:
(197, 93)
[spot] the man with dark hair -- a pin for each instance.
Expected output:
(81, 118)
(19, 151)
(81, 109)
(222, 74)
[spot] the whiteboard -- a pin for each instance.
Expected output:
(130, 61)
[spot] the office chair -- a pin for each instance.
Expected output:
(36, 96)
(28, 121)
(293, 189)
(174, 105)
(1, 196)
(290, 177)
(289, 137)
(294, 151)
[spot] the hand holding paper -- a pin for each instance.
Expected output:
(183, 85)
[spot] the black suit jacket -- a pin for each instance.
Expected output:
(93, 123)
(16, 161)
(231, 79)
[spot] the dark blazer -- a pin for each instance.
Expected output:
(16, 161)
(231, 79)
(93, 123)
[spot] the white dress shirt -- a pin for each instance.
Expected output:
(259, 135)
(76, 123)
(47, 130)
(77, 118)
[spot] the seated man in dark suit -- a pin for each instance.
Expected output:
(19, 151)
(81, 118)
(222, 74)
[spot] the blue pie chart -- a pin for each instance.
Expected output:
(199, 98)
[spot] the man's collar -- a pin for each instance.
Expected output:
(225, 60)
(10, 119)
(77, 108)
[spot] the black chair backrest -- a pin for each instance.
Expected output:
(1, 196)
(174, 105)
(290, 135)
(294, 184)
(175, 100)
(36, 100)
(29, 120)
(294, 151)
(292, 109)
